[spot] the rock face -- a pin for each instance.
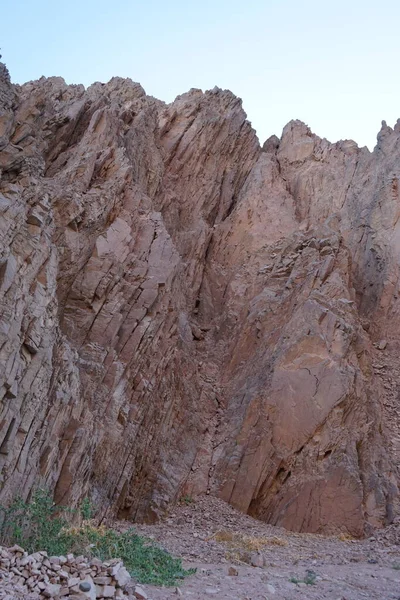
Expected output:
(183, 311)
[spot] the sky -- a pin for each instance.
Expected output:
(333, 64)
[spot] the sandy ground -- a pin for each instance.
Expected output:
(223, 545)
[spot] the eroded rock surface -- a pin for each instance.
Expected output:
(183, 311)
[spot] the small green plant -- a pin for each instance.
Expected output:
(86, 509)
(40, 525)
(144, 560)
(186, 500)
(310, 578)
(36, 525)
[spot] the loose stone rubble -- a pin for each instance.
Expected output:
(37, 575)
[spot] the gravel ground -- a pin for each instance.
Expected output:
(241, 558)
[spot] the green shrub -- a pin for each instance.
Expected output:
(40, 525)
(310, 578)
(37, 525)
(186, 500)
(144, 560)
(86, 509)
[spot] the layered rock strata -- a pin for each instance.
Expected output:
(184, 311)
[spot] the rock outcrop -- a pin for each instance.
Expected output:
(185, 312)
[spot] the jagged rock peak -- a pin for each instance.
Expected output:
(184, 312)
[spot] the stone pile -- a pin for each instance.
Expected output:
(38, 575)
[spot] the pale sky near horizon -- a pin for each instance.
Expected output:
(331, 64)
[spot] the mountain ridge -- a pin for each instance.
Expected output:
(185, 312)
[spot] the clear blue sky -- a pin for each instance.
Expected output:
(333, 64)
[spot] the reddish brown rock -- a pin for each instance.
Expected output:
(183, 311)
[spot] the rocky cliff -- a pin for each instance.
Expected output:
(184, 311)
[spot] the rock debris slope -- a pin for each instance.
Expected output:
(183, 311)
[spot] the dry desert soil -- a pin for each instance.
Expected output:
(219, 542)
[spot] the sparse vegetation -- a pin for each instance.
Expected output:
(309, 579)
(345, 537)
(86, 510)
(247, 542)
(40, 525)
(36, 525)
(241, 547)
(187, 500)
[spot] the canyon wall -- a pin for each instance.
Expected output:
(183, 311)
